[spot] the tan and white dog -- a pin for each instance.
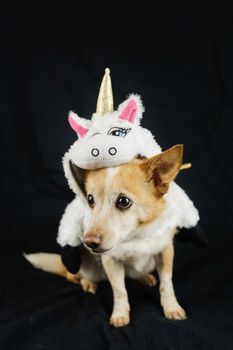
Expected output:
(128, 230)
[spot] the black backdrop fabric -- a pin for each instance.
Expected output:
(179, 57)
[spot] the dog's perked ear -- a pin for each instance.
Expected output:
(164, 167)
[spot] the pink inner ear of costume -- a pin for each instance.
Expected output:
(80, 130)
(129, 112)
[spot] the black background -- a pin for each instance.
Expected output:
(179, 57)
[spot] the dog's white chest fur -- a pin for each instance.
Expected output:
(139, 254)
(144, 244)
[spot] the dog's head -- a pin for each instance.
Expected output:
(125, 197)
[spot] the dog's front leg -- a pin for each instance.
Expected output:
(170, 305)
(116, 274)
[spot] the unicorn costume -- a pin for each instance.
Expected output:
(110, 138)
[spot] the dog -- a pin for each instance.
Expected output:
(128, 230)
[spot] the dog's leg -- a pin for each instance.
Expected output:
(170, 305)
(86, 284)
(116, 274)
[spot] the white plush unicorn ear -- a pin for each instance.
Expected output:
(131, 109)
(79, 125)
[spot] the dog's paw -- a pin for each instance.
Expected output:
(72, 278)
(148, 279)
(88, 286)
(177, 314)
(120, 320)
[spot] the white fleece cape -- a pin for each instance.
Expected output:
(111, 140)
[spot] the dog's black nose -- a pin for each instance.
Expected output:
(92, 241)
(95, 152)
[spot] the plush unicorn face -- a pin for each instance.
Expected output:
(110, 139)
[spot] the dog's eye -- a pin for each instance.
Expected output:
(120, 132)
(90, 200)
(123, 202)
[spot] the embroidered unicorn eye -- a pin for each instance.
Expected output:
(120, 132)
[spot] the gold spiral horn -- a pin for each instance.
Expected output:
(105, 99)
